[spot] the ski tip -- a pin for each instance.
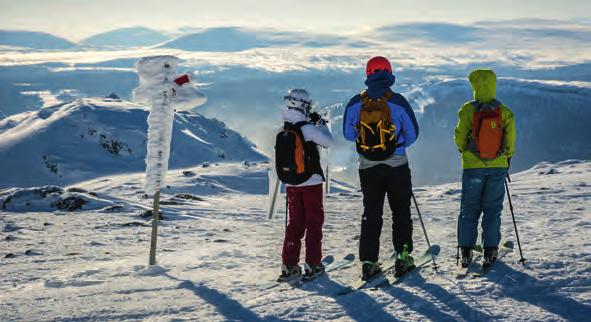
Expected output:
(328, 259)
(350, 257)
(508, 244)
(434, 250)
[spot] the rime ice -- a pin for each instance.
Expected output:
(159, 90)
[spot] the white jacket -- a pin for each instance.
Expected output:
(318, 134)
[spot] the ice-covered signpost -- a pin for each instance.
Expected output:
(163, 90)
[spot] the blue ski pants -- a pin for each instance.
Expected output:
(483, 191)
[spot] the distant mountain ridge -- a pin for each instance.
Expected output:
(126, 37)
(231, 39)
(33, 40)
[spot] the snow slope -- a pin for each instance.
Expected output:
(91, 265)
(90, 138)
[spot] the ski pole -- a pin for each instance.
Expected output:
(424, 229)
(522, 260)
(286, 206)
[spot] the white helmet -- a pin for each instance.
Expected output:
(298, 99)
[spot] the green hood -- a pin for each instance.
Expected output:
(484, 84)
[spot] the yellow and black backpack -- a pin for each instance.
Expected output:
(376, 139)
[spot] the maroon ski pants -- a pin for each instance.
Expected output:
(306, 216)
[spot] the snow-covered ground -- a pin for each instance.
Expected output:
(216, 244)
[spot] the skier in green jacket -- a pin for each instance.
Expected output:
(485, 136)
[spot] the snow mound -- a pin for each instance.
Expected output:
(49, 198)
(90, 138)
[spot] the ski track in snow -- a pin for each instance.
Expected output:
(91, 265)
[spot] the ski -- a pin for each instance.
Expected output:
(423, 260)
(328, 268)
(505, 249)
(373, 281)
(327, 261)
(462, 272)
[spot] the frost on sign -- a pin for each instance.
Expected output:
(163, 90)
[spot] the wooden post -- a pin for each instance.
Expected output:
(155, 220)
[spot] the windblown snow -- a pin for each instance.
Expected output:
(216, 246)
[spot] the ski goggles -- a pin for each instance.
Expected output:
(305, 103)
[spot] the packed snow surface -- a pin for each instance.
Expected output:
(216, 245)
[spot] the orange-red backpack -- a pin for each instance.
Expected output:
(487, 130)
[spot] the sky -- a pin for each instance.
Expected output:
(76, 19)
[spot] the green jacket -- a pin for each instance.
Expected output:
(484, 84)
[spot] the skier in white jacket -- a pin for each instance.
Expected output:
(306, 212)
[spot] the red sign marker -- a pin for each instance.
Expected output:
(183, 79)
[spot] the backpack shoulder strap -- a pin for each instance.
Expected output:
(296, 127)
(492, 105)
(496, 103)
(476, 104)
(366, 99)
(388, 94)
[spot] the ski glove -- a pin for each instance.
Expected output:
(315, 117)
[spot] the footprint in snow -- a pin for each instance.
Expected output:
(73, 283)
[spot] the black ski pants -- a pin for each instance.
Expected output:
(376, 182)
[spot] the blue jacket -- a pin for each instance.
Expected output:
(403, 118)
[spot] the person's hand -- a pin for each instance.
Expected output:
(315, 117)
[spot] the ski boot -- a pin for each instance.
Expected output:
(404, 262)
(289, 272)
(490, 256)
(467, 256)
(311, 271)
(369, 270)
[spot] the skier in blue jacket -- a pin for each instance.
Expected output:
(383, 125)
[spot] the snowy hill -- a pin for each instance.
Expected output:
(34, 40)
(218, 39)
(233, 39)
(551, 120)
(90, 138)
(126, 38)
(215, 248)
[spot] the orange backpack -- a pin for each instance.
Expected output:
(487, 130)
